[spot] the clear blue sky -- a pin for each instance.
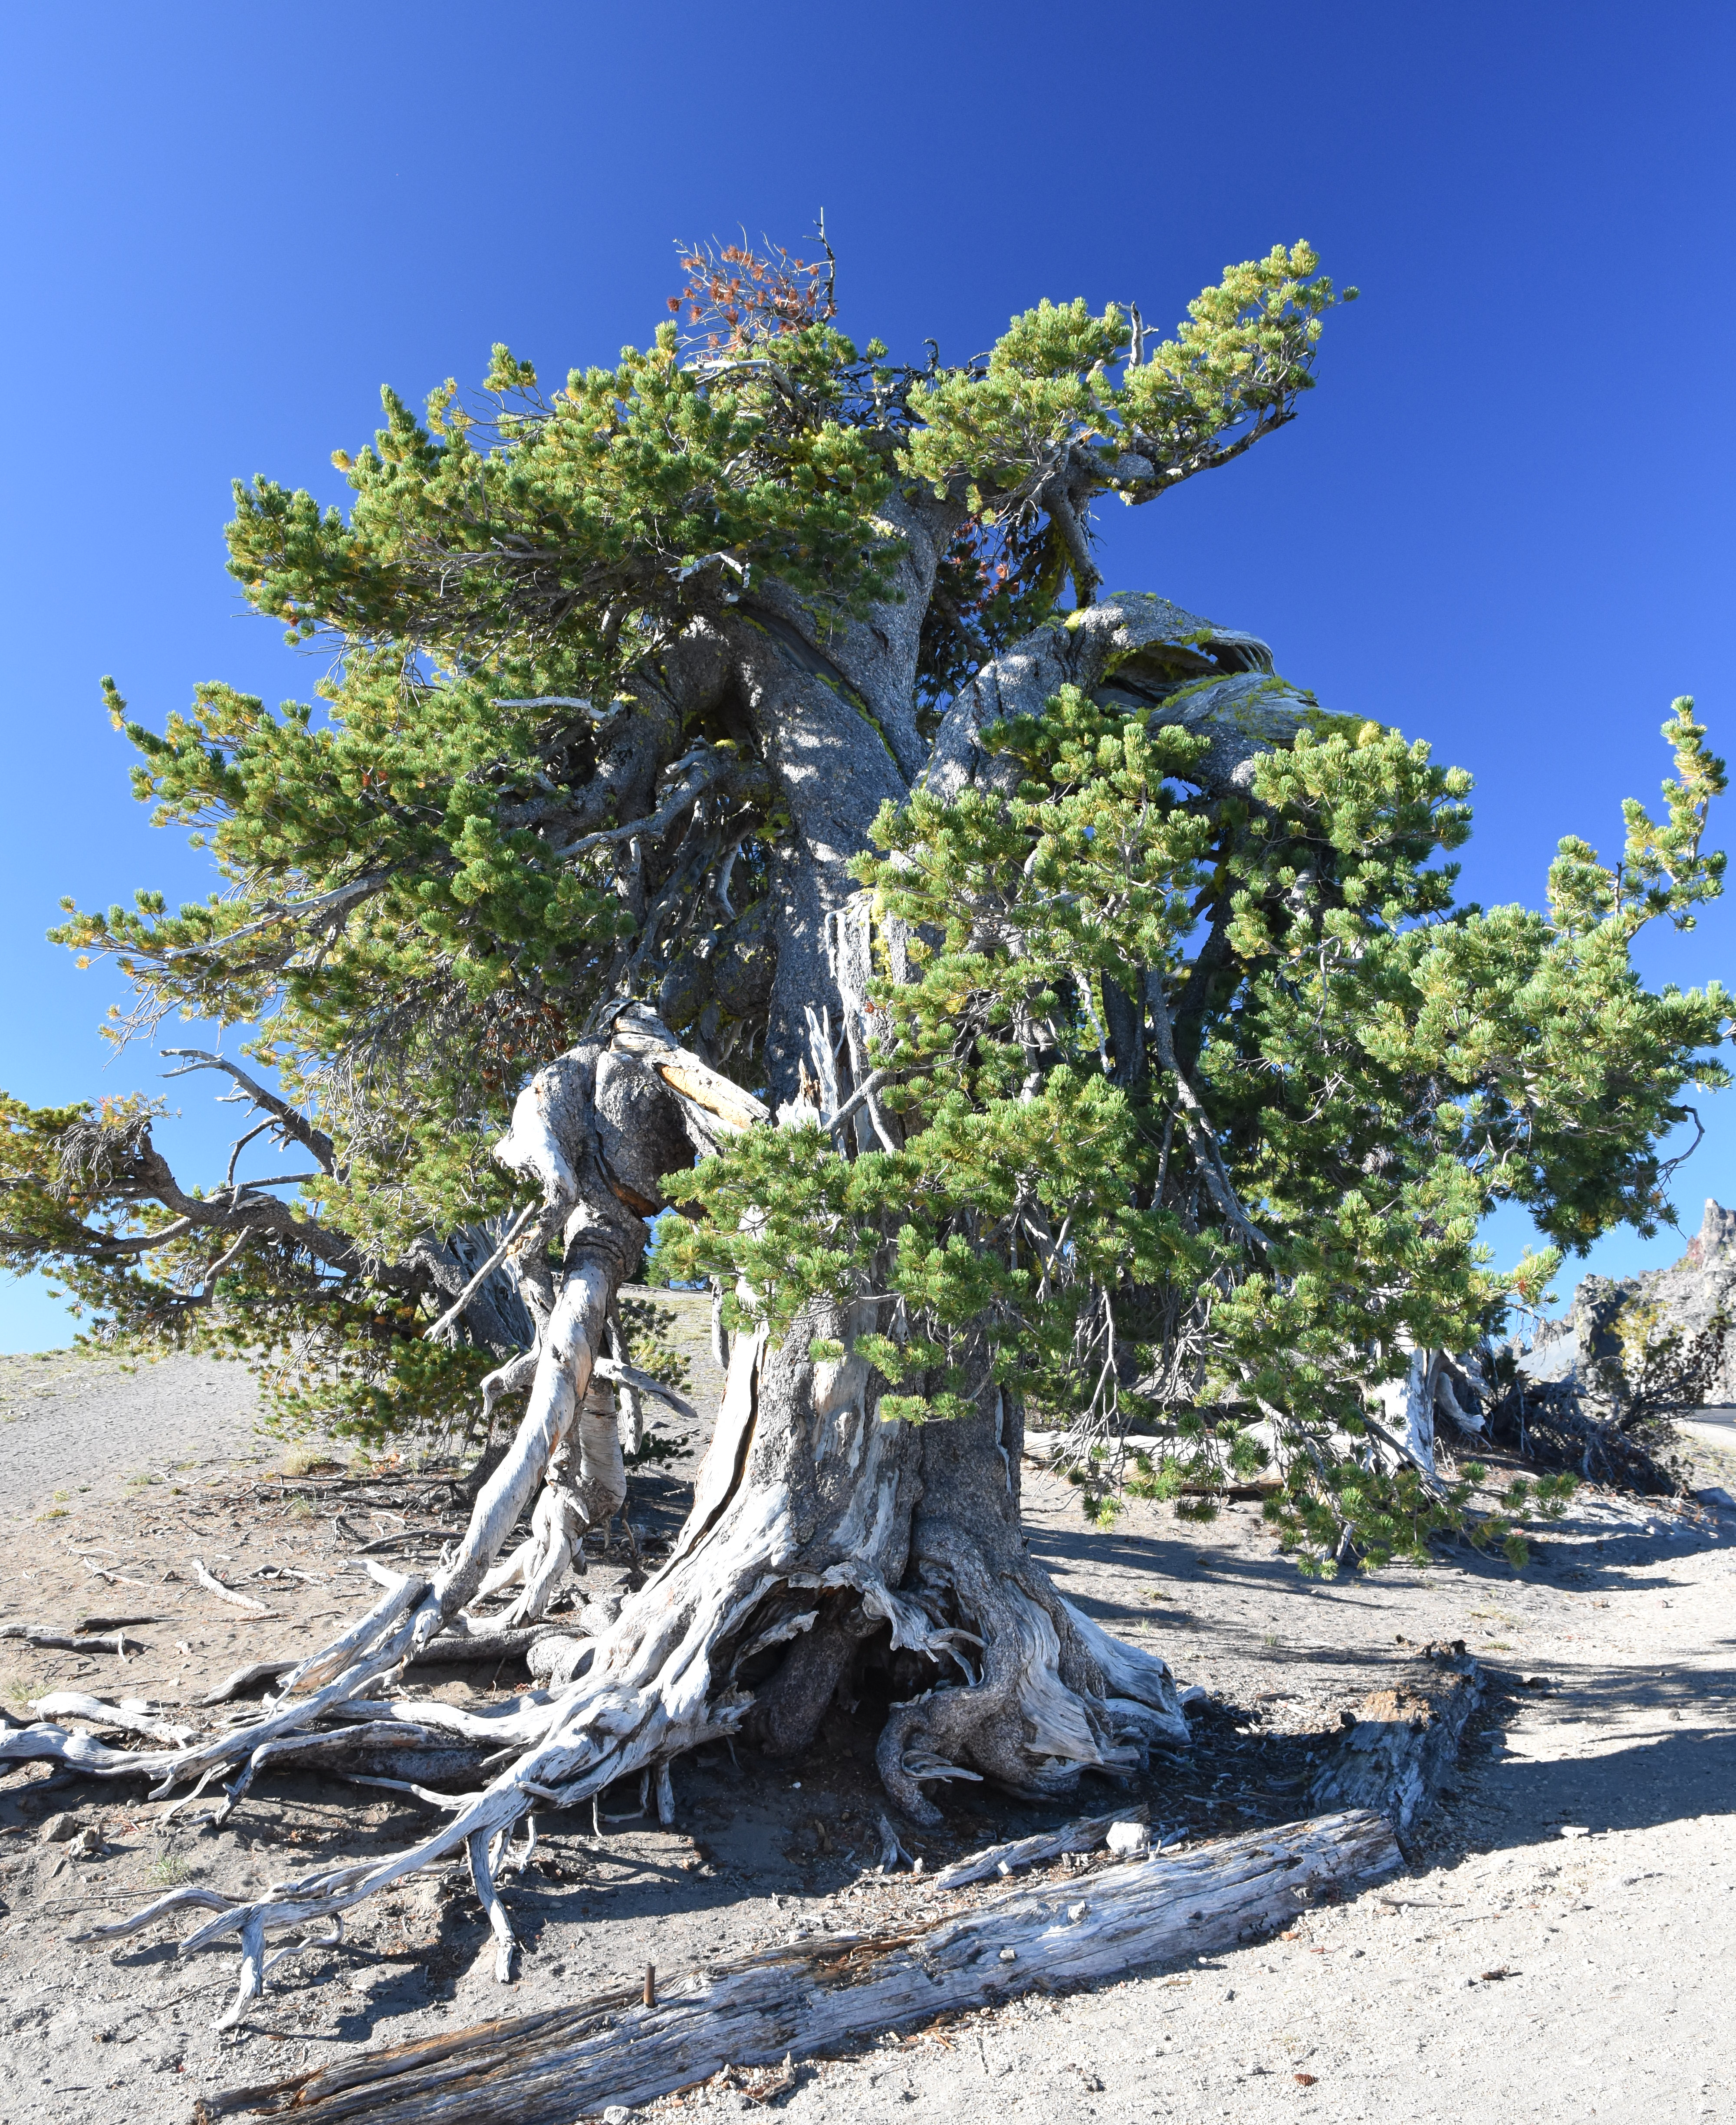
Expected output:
(1502, 521)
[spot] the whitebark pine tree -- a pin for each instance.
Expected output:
(621, 698)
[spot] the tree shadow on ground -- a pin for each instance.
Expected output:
(1678, 1777)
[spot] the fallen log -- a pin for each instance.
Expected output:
(63, 1641)
(372, 1747)
(1405, 1741)
(547, 2068)
(382, 1543)
(1084, 1836)
(43, 1741)
(315, 1751)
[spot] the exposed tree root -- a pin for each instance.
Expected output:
(807, 1515)
(823, 1543)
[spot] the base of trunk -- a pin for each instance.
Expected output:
(821, 1543)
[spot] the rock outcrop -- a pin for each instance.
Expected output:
(1652, 1345)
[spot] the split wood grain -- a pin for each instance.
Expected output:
(1405, 1741)
(817, 1996)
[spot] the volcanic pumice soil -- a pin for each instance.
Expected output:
(1560, 1944)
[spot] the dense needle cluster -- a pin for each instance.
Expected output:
(1193, 1088)
(1203, 1101)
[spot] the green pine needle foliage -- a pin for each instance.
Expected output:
(1235, 1247)
(419, 886)
(422, 893)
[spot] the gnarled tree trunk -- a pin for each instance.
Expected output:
(822, 1539)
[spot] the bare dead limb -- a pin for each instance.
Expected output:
(323, 905)
(244, 1678)
(292, 1124)
(131, 1716)
(630, 1376)
(690, 777)
(63, 1641)
(564, 1136)
(1197, 1123)
(213, 1585)
(433, 1334)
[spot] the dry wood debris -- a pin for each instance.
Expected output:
(819, 1995)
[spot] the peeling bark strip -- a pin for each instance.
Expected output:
(547, 2069)
(1406, 1741)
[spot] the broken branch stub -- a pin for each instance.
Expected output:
(1008, 1859)
(1405, 1741)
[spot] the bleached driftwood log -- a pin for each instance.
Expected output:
(1008, 1859)
(818, 1996)
(45, 1636)
(1405, 1741)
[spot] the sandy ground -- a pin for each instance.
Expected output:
(1561, 1944)
(76, 1429)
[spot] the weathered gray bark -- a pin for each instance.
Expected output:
(1143, 652)
(821, 1537)
(1022, 1852)
(544, 2069)
(1406, 1741)
(834, 770)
